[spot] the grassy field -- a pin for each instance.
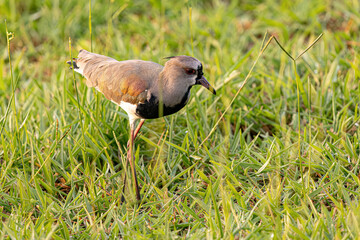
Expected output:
(282, 163)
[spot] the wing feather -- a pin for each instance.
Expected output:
(118, 80)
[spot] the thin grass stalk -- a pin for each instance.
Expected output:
(298, 82)
(263, 48)
(298, 99)
(310, 138)
(191, 31)
(9, 37)
(90, 28)
(78, 102)
(310, 46)
(162, 28)
(8, 107)
(97, 99)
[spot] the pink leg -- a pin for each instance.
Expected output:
(130, 158)
(137, 130)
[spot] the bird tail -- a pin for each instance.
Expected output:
(73, 62)
(73, 65)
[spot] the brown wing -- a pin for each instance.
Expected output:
(118, 81)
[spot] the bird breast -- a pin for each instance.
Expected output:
(152, 107)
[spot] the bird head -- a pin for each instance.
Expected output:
(189, 70)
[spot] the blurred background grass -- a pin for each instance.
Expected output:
(257, 176)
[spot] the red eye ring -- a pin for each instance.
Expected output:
(190, 71)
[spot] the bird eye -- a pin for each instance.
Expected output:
(190, 71)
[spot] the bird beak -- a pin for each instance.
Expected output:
(202, 81)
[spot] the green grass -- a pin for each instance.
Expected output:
(282, 163)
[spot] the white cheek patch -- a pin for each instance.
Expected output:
(194, 80)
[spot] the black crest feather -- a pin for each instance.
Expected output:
(170, 57)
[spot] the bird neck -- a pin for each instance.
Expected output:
(170, 90)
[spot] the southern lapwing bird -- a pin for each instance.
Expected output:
(145, 90)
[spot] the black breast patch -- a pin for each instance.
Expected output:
(151, 109)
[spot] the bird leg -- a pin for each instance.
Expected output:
(130, 158)
(138, 127)
(137, 130)
(132, 163)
